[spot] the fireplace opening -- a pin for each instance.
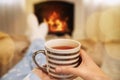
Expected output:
(58, 14)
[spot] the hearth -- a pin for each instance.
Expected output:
(58, 14)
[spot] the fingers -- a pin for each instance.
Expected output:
(71, 70)
(41, 74)
(67, 70)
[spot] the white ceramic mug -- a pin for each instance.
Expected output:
(60, 52)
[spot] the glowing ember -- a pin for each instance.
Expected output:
(55, 23)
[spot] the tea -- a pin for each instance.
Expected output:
(63, 47)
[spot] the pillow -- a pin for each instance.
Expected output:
(7, 49)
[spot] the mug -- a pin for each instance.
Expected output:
(60, 52)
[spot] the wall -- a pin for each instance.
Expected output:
(30, 3)
(12, 16)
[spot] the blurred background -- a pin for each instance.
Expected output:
(95, 23)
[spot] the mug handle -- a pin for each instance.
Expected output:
(34, 55)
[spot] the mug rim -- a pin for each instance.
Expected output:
(65, 51)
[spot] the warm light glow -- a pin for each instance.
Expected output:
(55, 23)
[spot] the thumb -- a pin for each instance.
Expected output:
(67, 70)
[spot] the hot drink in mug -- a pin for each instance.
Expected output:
(60, 52)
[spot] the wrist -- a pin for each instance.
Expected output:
(96, 76)
(101, 77)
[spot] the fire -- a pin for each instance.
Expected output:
(55, 23)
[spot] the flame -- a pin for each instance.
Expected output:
(55, 23)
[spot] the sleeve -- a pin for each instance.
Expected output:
(31, 76)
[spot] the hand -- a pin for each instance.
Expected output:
(42, 75)
(87, 70)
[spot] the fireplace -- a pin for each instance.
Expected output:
(58, 14)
